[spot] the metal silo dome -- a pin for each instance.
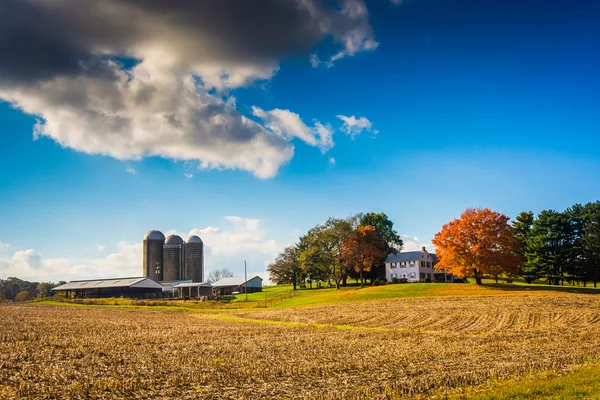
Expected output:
(174, 239)
(154, 235)
(194, 239)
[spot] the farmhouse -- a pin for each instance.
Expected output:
(126, 287)
(414, 266)
(237, 284)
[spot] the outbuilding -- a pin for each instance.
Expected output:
(237, 284)
(116, 287)
(194, 289)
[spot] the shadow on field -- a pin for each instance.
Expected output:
(549, 288)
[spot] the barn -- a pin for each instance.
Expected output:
(194, 289)
(237, 284)
(117, 287)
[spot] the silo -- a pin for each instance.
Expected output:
(173, 258)
(194, 259)
(153, 255)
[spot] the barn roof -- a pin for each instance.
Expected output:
(233, 281)
(109, 283)
(193, 284)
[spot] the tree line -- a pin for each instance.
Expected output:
(556, 246)
(355, 247)
(17, 289)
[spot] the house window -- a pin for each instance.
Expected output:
(403, 264)
(394, 276)
(393, 265)
(412, 274)
(422, 264)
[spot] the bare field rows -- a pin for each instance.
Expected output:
(87, 352)
(476, 314)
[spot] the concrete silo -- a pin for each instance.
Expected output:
(194, 259)
(173, 258)
(153, 255)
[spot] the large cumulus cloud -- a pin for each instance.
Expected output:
(129, 78)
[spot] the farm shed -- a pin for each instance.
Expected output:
(195, 289)
(117, 287)
(227, 286)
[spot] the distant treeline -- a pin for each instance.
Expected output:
(14, 288)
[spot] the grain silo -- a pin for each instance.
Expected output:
(194, 259)
(173, 258)
(153, 255)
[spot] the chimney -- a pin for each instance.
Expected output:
(424, 248)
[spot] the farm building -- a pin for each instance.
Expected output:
(237, 284)
(126, 287)
(414, 266)
(194, 289)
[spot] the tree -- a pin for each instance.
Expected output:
(522, 230)
(362, 250)
(385, 229)
(481, 241)
(218, 274)
(286, 268)
(44, 289)
(591, 240)
(550, 245)
(22, 296)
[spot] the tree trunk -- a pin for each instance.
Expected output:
(496, 279)
(476, 276)
(337, 284)
(344, 282)
(362, 279)
(294, 282)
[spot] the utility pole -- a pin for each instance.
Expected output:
(246, 279)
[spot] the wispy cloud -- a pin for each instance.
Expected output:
(355, 126)
(131, 170)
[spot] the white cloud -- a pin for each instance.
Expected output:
(100, 247)
(131, 170)
(412, 243)
(76, 82)
(355, 126)
(225, 247)
(332, 160)
(3, 246)
(188, 175)
(289, 125)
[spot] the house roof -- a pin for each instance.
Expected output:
(194, 284)
(408, 256)
(109, 283)
(233, 281)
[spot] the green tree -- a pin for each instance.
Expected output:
(549, 247)
(591, 241)
(286, 268)
(522, 229)
(44, 289)
(385, 229)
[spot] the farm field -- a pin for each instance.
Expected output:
(419, 347)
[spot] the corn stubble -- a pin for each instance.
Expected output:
(386, 349)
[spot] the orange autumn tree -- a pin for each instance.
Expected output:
(481, 242)
(363, 250)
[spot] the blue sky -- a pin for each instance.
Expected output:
(470, 105)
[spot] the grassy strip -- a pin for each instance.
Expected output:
(583, 383)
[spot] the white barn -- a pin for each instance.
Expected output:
(414, 266)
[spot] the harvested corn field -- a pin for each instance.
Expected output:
(378, 349)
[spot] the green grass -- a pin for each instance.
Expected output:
(584, 383)
(282, 296)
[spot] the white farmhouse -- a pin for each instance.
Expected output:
(414, 266)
